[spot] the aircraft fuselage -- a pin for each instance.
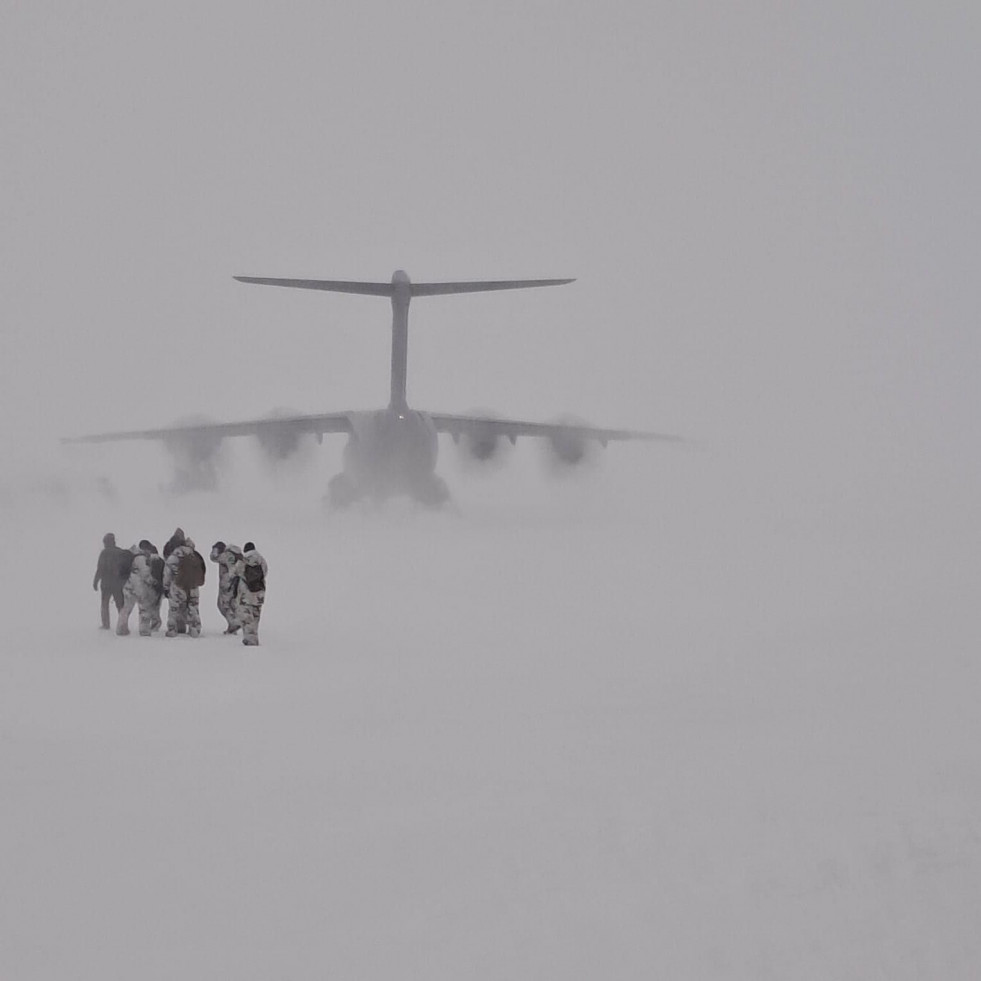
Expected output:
(390, 452)
(401, 295)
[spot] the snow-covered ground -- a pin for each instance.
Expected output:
(634, 726)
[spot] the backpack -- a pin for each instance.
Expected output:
(255, 578)
(125, 564)
(156, 573)
(190, 571)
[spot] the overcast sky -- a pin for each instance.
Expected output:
(772, 211)
(730, 685)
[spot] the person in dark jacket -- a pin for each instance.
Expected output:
(109, 574)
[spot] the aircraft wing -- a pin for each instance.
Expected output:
(333, 422)
(481, 426)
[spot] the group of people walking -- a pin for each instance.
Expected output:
(139, 578)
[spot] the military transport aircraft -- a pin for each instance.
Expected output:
(390, 451)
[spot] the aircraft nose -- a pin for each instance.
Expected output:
(401, 277)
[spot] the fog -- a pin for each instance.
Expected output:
(689, 711)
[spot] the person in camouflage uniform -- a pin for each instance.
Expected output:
(250, 594)
(138, 590)
(177, 538)
(226, 556)
(156, 564)
(182, 589)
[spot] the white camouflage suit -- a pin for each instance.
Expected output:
(248, 604)
(138, 591)
(182, 604)
(157, 591)
(226, 558)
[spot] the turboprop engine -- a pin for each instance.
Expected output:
(482, 446)
(195, 458)
(279, 443)
(567, 448)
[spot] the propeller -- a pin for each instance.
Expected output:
(483, 448)
(566, 449)
(279, 443)
(195, 457)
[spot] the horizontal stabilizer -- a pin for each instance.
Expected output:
(441, 289)
(332, 285)
(415, 289)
